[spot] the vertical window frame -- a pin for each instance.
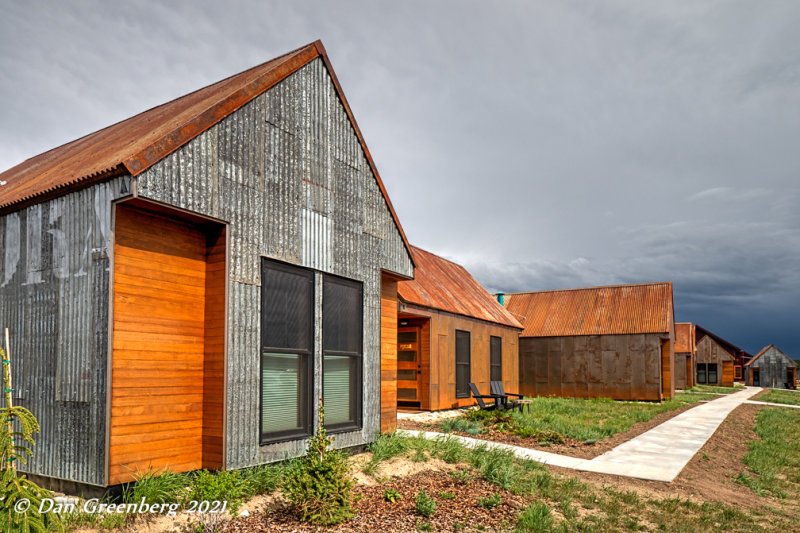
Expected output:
(463, 393)
(307, 363)
(495, 365)
(701, 366)
(356, 392)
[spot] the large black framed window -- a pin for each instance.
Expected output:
(712, 373)
(462, 363)
(496, 358)
(287, 348)
(342, 339)
(701, 373)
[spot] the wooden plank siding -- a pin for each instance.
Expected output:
(438, 355)
(168, 346)
(621, 367)
(388, 354)
(727, 373)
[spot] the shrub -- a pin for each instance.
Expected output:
(319, 486)
(425, 505)
(229, 486)
(391, 495)
(490, 502)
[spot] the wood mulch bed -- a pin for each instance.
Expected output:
(571, 447)
(374, 513)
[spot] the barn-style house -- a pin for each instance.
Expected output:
(451, 332)
(183, 286)
(614, 342)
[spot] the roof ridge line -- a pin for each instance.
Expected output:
(621, 285)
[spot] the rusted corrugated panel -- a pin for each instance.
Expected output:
(683, 337)
(619, 309)
(135, 144)
(444, 285)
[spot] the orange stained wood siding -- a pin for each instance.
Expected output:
(438, 357)
(446, 286)
(667, 371)
(727, 373)
(612, 310)
(684, 337)
(158, 373)
(214, 392)
(388, 354)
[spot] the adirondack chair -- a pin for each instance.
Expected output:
(502, 397)
(479, 398)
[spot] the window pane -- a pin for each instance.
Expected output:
(282, 386)
(287, 306)
(462, 364)
(342, 309)
(701, 372)
(712, 373)
(407, 356)
(338, 386)
(407, 336)
(496, 347)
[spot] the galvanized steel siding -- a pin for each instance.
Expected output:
(773, 366)
(293, 184)
(54, 299)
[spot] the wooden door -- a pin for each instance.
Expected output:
(409, 367)
(158, 345)
(727, 373)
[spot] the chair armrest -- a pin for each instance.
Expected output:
(517, 395)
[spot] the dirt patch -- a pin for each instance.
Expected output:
(571, 447)
(375, 513)
(710, 474)
(397, 467)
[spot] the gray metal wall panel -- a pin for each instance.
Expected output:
(773, 369)
(54, 298)
(294, 184)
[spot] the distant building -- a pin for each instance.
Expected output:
(714, 364)
(771, 368)
(737, 355)
(614, 342)
(685, 351)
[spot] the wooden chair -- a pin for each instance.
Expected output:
(501, 396)
(479, 398)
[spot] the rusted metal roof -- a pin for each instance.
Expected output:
(133, 145)
(700, 332)
(446, 286)
(610, 310)
(684, 337)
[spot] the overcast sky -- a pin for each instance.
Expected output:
(541, 144)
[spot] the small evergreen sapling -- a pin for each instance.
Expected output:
(319, 485)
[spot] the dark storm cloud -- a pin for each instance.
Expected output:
(541, 144)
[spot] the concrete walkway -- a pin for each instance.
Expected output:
(756, 402)
(658, 454)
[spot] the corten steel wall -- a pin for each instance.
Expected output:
(287, 173)
(622, 367)
(710, 351)
(680, 369)
(772, 369)
(54, 298)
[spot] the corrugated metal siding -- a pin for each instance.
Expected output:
(54, 299)
(773, 366)
(447, 286)
(683, 340)
(294, 185)
(620, 309)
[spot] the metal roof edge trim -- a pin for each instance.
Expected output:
(440, 310)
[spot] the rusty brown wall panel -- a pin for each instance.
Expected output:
(624, 367)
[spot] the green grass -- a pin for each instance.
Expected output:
(780, 396)
(715, 389)
(774, 459)
(567, 504)
(591, 420)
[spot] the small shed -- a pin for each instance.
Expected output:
(183, 286)
(451, 332)
(613, 342)
(771, 368)
(714, 364)
(685, 350)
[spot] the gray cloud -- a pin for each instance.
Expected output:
(542, 144)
